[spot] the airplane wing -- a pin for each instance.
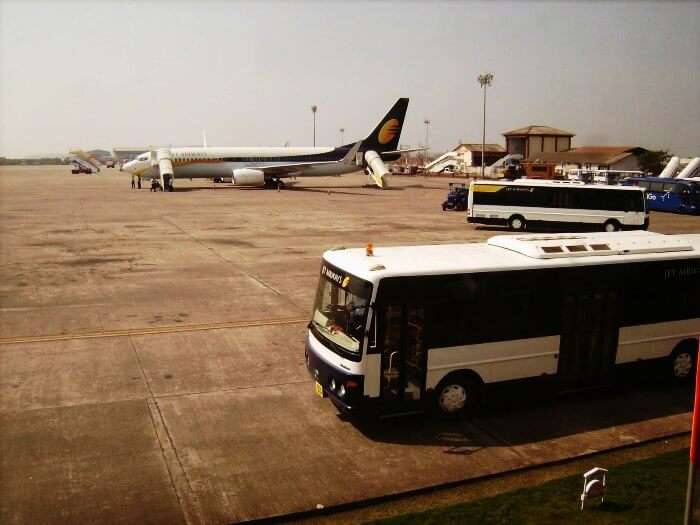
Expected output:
(290, 170)
(400, 151)
(298, 168)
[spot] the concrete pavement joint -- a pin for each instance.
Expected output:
(159, 426)
(215, 252)
(198, 241)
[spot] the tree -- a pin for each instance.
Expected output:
(654, 161)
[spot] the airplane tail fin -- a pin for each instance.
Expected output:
(385, 136)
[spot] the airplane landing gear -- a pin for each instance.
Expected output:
(276, 183)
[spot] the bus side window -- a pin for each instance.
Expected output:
(391, 351)
(447, 320)
(581, 198)
(544, 197)
(656, 186)
(634, 201)
(372, 334)
(392, 328)
(562, 198)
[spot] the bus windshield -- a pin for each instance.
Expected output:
(340, 309)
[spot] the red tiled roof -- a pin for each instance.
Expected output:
(605, 155)
(488, 148)
(610, 150)
(538, 130)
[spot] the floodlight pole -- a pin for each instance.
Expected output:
(694, 446)
(484, 81)
(427, 137)
(314, 108)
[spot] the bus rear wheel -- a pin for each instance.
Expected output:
(456, 396)
(516, 223)
(611, 226)
(683, 360)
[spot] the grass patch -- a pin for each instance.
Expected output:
(647, 491)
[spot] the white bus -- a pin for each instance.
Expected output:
(596, 176)
(411, 327)
(519, 203)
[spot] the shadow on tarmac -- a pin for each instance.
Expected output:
(287, 187)
(219, 187)
(292, 186)
(564, 228)
(333, 190)
(516, 416)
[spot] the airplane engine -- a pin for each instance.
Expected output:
(376, 167)
(248, 177)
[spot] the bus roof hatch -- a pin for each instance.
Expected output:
(550, 246)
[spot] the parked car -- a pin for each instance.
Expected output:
(457, 197)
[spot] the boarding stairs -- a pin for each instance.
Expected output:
(448, 160)
(85, 164)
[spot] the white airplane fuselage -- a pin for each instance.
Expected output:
(256, 166)
(211, 162)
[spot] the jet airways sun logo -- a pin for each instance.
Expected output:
(388, 131)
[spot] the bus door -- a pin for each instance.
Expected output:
(588, 345)
(689, 198)
(403, 353)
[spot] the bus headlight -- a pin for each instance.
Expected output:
(332, 384)
(341, 391)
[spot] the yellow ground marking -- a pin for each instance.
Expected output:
(153, 330)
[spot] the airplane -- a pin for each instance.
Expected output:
(258, 166)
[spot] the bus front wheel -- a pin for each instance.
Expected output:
(456, 395)
(516, 223)
(683, 360)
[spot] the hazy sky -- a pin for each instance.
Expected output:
(105, 74)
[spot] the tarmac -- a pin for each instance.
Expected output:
(152, 361)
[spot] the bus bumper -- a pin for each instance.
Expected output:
(330, 379)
